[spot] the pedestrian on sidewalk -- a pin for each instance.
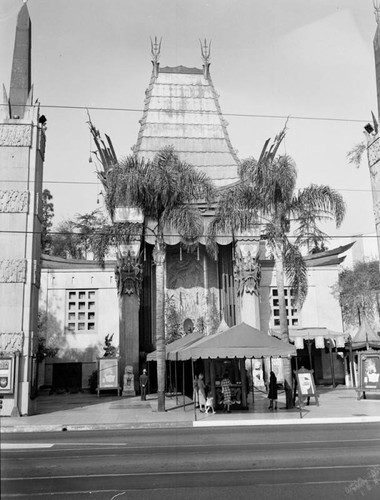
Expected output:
(272, 395)
(226, 392)
(143, 384)
(201, 393)
(195, 391)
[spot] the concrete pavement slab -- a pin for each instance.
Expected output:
(88, 412)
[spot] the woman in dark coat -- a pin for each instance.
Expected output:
(272, 395)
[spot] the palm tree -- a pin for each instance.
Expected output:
(165, 190)
(267, 197)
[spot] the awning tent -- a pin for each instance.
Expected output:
(241, 341)
(319, 334)
(174, 347)
(365, 336)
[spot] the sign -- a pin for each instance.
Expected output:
(6, 374)
(306, 386)
(369, 372)
(108, 374)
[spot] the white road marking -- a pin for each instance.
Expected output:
(19, 446)
(171, 473)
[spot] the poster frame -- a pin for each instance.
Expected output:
(111, 364)
(365, 385)
(11, 374)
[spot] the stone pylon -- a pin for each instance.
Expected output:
(22, 148)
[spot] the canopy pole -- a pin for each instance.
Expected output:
(175, 382)
(253, 384)
(297, 388)
(183, 385)
(309, 349)
(194, 401)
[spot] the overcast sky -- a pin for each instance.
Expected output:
(310, 60)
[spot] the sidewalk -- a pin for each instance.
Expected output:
(88, 412)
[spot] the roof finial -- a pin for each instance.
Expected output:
(206, 56)
(376, 6)
(155, 51)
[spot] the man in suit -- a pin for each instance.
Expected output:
(143, 384)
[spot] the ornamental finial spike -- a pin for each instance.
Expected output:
(205, 51)
(155, 50)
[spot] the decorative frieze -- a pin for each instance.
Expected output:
(376, 211)
(11, 343)
(13, 271)
(15, 135)
(12, 201)
(373, 151)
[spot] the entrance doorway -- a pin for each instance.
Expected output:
(67, 376)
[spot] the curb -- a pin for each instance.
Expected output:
(189, 424)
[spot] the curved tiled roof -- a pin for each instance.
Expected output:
(182, 110)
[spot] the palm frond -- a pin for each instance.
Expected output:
(317, 203)
(296, 272)
(355, 155)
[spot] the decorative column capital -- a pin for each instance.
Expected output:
(128, 273)
(247, 270)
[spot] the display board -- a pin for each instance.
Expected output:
(108, 374)
(369, 372)
(7, 367)
(306, 385)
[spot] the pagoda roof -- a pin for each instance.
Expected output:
(365, 336)
(182, 110)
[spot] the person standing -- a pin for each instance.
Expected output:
(143, 384)
(201, 393)
(272, 394)
(226, 391)
(195, 391)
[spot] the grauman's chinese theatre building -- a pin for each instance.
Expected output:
(236, 285)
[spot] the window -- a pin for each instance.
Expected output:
(291, 310)
(81, 310)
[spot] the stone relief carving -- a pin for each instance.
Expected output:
(13, 271)
(15, 135)
(247, 273)
(14, 201)
(11, 342)
(376, 211)
(128, 273)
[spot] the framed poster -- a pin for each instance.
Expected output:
(108, 374)
(7, 374)
(369, 371)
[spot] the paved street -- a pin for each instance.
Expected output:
(287, 462)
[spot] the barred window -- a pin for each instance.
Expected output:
(81, 310)
(291, 310)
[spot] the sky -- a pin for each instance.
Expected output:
(270, 59)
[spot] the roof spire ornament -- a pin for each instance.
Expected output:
(206, 55)
(156, 52)
(376, 6)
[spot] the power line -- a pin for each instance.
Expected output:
(72, 233)
(187, 111)
(94, 183)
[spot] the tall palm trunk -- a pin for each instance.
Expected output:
(284, 328)
(159, 260)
